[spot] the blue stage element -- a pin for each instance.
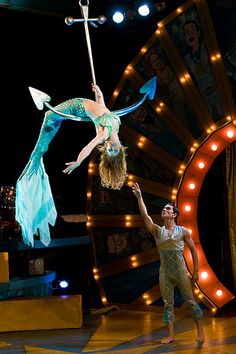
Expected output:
(40, 285)
(6, 246)
(36, 285)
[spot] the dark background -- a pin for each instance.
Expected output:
(42, 52)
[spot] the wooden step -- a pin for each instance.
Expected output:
(4, 267)
(50, 312)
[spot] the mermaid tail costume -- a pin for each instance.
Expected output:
(35, 208)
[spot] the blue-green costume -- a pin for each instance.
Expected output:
(173, 272)
(35, 208)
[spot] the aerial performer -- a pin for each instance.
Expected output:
(35, 208)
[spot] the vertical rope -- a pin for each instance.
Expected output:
(84, 10)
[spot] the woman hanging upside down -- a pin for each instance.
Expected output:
(112, 168)
(34, 202)
(35, 208)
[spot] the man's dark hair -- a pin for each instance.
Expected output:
(175, 210)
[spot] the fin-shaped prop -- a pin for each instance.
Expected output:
(41, 99)
(149, 89)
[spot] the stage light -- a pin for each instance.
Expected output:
(204, 275)
(201, 165)
(230, 133)
(118, 17)
(187, 208)
(140, 8)
(63, 284)
(219, 292)
(214, 147)
(144, 10)
(192, 186)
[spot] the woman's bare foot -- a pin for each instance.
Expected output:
(167, 340)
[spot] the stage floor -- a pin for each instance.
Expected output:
(128, 330)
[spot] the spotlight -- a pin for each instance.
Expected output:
(63, 284)
(61, 287)
(118, 17)
(144, 10)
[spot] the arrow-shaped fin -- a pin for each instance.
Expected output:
(39, 98)
(149, 89)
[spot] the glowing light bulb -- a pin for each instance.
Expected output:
(118, 17)
(187, 208)
(230, 133)
(63, 284)
(214, 147)
(204, 275)
(219, 292)
(201, 165)
(192, 186)
(144, 10)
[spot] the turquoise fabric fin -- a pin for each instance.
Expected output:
(35, 208)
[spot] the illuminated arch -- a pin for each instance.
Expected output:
(209, 288)
(189, 175)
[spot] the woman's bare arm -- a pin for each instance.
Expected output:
(99, 95)
(86, 151)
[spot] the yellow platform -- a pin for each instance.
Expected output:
(4, 267)
(51, 312)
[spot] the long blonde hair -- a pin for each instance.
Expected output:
(113, 169)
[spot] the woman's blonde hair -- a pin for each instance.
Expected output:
(113, 169)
